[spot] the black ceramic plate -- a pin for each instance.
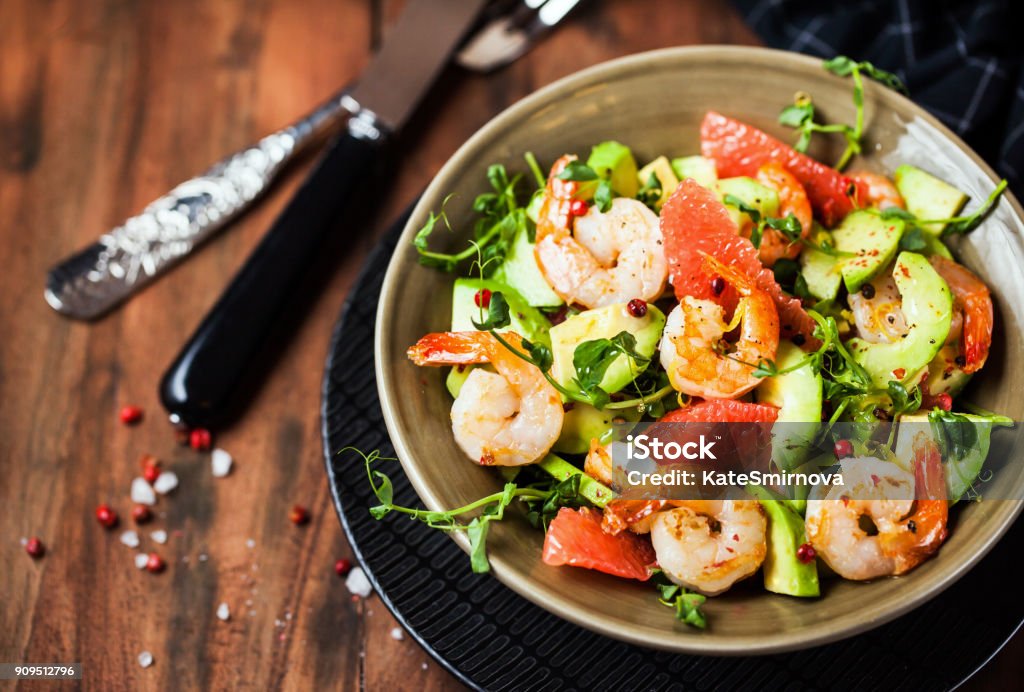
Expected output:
(490, 638)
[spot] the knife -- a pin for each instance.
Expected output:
(196, 388)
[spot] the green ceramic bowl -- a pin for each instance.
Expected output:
(654, 102)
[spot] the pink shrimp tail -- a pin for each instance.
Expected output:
(451, 348)
(977, 334)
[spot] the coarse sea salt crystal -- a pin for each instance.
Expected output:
(165, 482)
(159, 536)
(130, 539)
(142, 492)
(357, 583)
(223, 613)
(397, 634)
(145, 659)
(250, 544)
(220, 463)
(140, 560)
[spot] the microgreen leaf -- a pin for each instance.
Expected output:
(789, 225)
(686, 604)
(801, 289)
(902, 400)
(733, 200)
(565, 493)
(797, 114)
(785, 271)
(844, 67)
(893, 213)
(955, 433)
(577, 171)
(490, 508)
(650, 192)
(766, 368)
(500, 219)
(540, 355)
(965, 224)
(477, 533)
(592, 358)
(603, 196)
(800, 115)
(668, 591)
(497, 314)
(913, 240)
(840, 65)
(756, 233)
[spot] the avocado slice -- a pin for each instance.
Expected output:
(615, 163)
(661, 169)
(605, 322)
(822, 272)
(583, 423)
(797, 395)
(927, 197)
(944, 375)
(526, 321)
(594, 491)
(751, 193)
(873, 239)
(456, 378)
(520, 271)
(784, 573)
(928, 308)
(697, 167)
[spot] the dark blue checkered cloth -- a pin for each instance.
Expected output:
(963, 61)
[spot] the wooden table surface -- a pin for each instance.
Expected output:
(103, 106)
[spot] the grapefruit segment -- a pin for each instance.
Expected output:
(575, 537)
(722, 411)
(740, 149)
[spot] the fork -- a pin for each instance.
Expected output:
(126, 258)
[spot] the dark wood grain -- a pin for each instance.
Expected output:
(103, 106)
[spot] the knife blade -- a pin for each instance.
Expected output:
(400, 74)
(197, 387)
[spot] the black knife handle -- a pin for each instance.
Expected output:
(197, 387)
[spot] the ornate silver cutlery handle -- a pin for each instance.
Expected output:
(126, 258)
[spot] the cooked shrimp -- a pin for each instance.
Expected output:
(880, 318)
(792, 200)
(908, 512)
(972, 302)
(509, 417)
(709, 545)
(598, 464)
(877, 191)
(598, 259)
(699, 361)
(635, 515)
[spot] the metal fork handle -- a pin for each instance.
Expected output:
(124, 259)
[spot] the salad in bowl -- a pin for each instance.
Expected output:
(737, 280)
